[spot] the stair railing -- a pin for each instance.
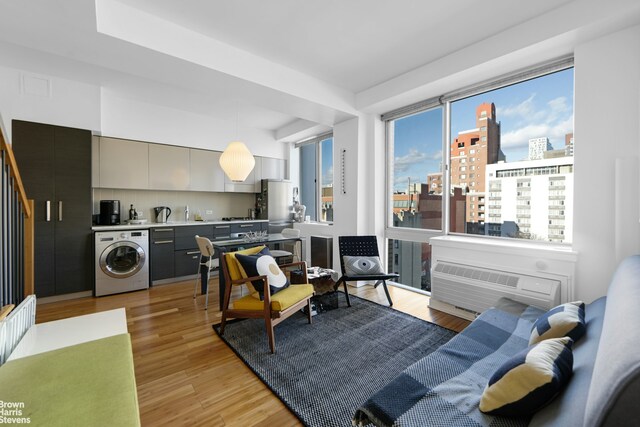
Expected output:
(16, 230)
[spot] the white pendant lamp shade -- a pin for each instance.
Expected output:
(237, 161)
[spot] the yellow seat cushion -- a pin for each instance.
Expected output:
(279, 302)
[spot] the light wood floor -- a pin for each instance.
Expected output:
(185, 374)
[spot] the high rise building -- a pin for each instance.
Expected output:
(471, 152)
(568, 144)
(538, 146)
(434, 183)
(531, 199)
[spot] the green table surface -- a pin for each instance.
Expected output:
(89, 384)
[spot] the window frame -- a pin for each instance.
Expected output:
(317, 141)
(444, 102)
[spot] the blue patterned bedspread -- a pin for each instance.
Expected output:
(444, 388)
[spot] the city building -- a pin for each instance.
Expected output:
(538, 146)
(471, 152)
(412, 260)
(531, 199)
(434, 183)
(568, 144)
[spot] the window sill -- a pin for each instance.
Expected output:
(507, 246)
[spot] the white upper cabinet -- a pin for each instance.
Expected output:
(206, 173)
(127, 164)
(274, 168)
(123, 163)
(265, 168)
(246, 186)
(168, 167)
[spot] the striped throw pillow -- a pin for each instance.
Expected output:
(530, 379)
(565, 320)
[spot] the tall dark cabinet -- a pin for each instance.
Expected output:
(55, 165)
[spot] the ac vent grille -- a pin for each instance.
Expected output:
(484, 275)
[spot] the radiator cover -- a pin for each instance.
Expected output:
(477, 288)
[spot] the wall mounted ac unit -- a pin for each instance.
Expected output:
(475, 289)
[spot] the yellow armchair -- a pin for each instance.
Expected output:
(274, 308)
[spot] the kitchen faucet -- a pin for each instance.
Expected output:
(186, 213)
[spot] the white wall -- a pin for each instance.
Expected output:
(349, 208)
(25, 95)
(45, 99)
(133, 119)
(607, 127)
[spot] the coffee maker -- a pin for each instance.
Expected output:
(109, 212)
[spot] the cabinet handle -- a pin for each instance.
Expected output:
(193, 253)
(222, 226)
(222, 238)
(194, 257)
(48, 210)
(162, 242)
(60, 210)
(162, 230)
(246, 225)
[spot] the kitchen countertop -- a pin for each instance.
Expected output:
(169, 224)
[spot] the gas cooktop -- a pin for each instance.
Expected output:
(236, 218)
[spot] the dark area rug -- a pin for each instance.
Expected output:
(324, 371)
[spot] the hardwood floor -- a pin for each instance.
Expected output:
(185, 374)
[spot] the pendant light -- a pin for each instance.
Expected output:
(236, 161)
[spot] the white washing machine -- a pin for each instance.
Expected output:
(122, 261)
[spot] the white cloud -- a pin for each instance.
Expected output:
(327, 178)
(403, 163)
(524, 109)
(558, 105)
(401, 183)
(552, 120)
(520, 137)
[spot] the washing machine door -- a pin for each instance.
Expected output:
(122, 259)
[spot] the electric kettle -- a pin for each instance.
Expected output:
(162, 213)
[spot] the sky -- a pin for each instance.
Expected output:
(535, 108)
(326, 147)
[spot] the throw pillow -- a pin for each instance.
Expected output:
(565, 320)
(362, 265)
(263, 264)
(530, 379)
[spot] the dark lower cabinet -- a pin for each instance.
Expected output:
(55, 167)
(162, 246)
(187, 255)
(175, 253)
(187, 262)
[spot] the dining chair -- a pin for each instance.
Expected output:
(207, 264)
(295, 247)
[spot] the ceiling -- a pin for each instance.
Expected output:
(273, 63)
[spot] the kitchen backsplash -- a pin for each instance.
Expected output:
(219, 204)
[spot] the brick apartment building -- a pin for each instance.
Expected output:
(471, 152)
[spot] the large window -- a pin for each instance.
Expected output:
(326, 179)
(316, 177)
(415, 171)
(519, 139)
(494, 160)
